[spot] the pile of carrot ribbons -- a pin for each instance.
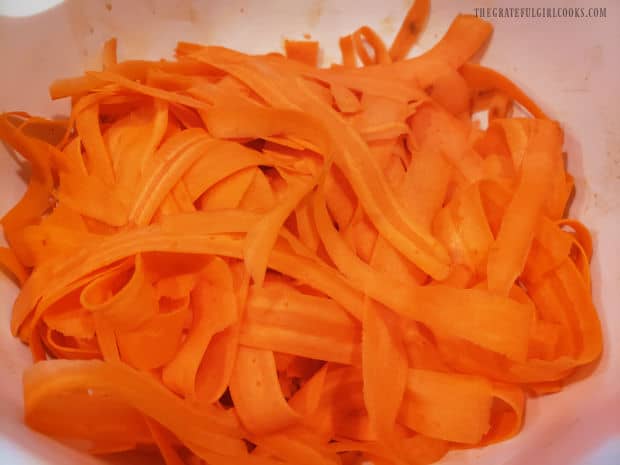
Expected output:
(248, 259)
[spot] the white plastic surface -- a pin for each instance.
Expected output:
(570, 66)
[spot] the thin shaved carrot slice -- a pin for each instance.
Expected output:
(425, 185)
(91, 197)
(214, 309)
(306, 51)
(433, 406)
(256, 392)
(366, 34)
(109, 53)
(69, 318)
(122, 385)
(161, 438)
(283, 320)
(305, 225)
(36, 345)
(507, 419)
(481, 78)
(106, 338)
(384, 364)
(213, 376)
(156, 342)
(508, 253)
(410, 29)
(168, 96)
(346, 100)
(347, 48)
(229, 192)
(262, 236)
(36, 199)
(223, 160)
(452, 92)
(582, 235)
(60, 346)
(98, 160)
(125, 299)
(11, 263)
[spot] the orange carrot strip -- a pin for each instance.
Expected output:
(173, 160)
(49, 382)
(386, 259)
(482, 78)
(218, 459)
(433, 405)
(368, 35)
(106, 339)
(506, 422)
(307, 399)
(74, 87)
(463, 39)
(281, 319)
(582, 234)
(384, 366)
(229, 192)
(98, 160)
(262, 236)
(36, 199)
(68, 317)
(213, 376)
(215, 309)
(496, 103)
(12, 265)
(36, 345)
(183, 199)
(473, 228)
(453, 93)
(62, 88)
(255, 390)
(410, 29)
(347, 48)
(465, 36)
(135, 143)
(161, 438)
(306, 51)
(303, 451)
(425, 185)
(431, 125)
(89, 420)
(109, 53)
(73, 152)
(156, 342)
(60, 346)
(305, 225)
(172, 97)
(339, 197)
(92, 197)
(509, 252)
(222, 160)
(124, 298)
(187, 117)
(550, 248)
(346, 100)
